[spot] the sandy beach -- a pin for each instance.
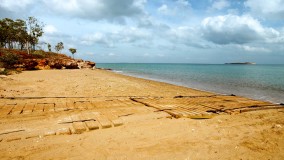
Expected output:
(98, 114)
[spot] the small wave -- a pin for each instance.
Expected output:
(118, 71)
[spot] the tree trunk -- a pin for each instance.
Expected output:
(27, 44)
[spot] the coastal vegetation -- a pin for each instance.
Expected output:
(59, 47)
(73, 51)
(20, 48)
(20, 34)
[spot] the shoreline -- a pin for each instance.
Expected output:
(190, 87)
(261, 82)
(102, 115)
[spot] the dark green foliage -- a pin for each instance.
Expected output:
(18, 34)
(39, 54)
(9, 59)
(59, 47)
(49, 47)
(5, 72)
(72, 50)
(34, 30)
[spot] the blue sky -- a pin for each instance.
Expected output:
(160, 31)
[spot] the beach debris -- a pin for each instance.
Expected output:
(277, 126)
(3, 76)
(49, 133)
(201, 116)
(124, 115)
(204, 106)
(10, 139)
(265, 107)
(12, 131)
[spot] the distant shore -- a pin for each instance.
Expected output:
(241, 63)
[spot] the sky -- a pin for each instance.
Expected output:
(160, 31)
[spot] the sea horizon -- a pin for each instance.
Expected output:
(187, 63)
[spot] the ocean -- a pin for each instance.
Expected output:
(262, 82)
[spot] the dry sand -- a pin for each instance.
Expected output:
(137, 131)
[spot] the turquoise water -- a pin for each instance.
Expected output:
(263, 82)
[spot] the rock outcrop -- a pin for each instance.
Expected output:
(43, 64)
(40, 60)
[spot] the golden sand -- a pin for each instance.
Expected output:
(97, 114)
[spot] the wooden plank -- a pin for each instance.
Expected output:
(260, 108)
(64, 120)
(13, 138)
(38, 108)
(103, 120)
(49, 133)
(111, 115)
(76, 118)
(28, 108)
(6, 109)
(70, 105)
(87, 116)
(89, 105)
(92, 125)
(79, 127)
(18, 109)
(48, 107)
(117, 122)
(1, 105)
(174, 113)
(60, 106)
(79, 105)
(32, 135)
(63, 131)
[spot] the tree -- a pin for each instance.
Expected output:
(72, 50)
(18, 33)
(12, 33)
(49, 47)
(59, 47)
(34, 30)
(21, 33)
(7, 32)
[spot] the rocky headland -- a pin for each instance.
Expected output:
(39, 60)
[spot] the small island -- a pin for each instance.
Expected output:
(241, 63)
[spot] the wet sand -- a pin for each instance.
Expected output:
(97, 114)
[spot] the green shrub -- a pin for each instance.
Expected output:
(39, 54)
(9, 59)
(5, 72)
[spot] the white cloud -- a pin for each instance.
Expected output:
(50, 29)
(132, 34)
(235, 29)
(90, 53)
(183, 3)
(163, 9)
(111, 54)
(176, 9)
(253, 49)
(110, 39)
(97, 9)
(220, 4)
(15, 5)
(272, 9)
(186, 35)
(99, 38)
